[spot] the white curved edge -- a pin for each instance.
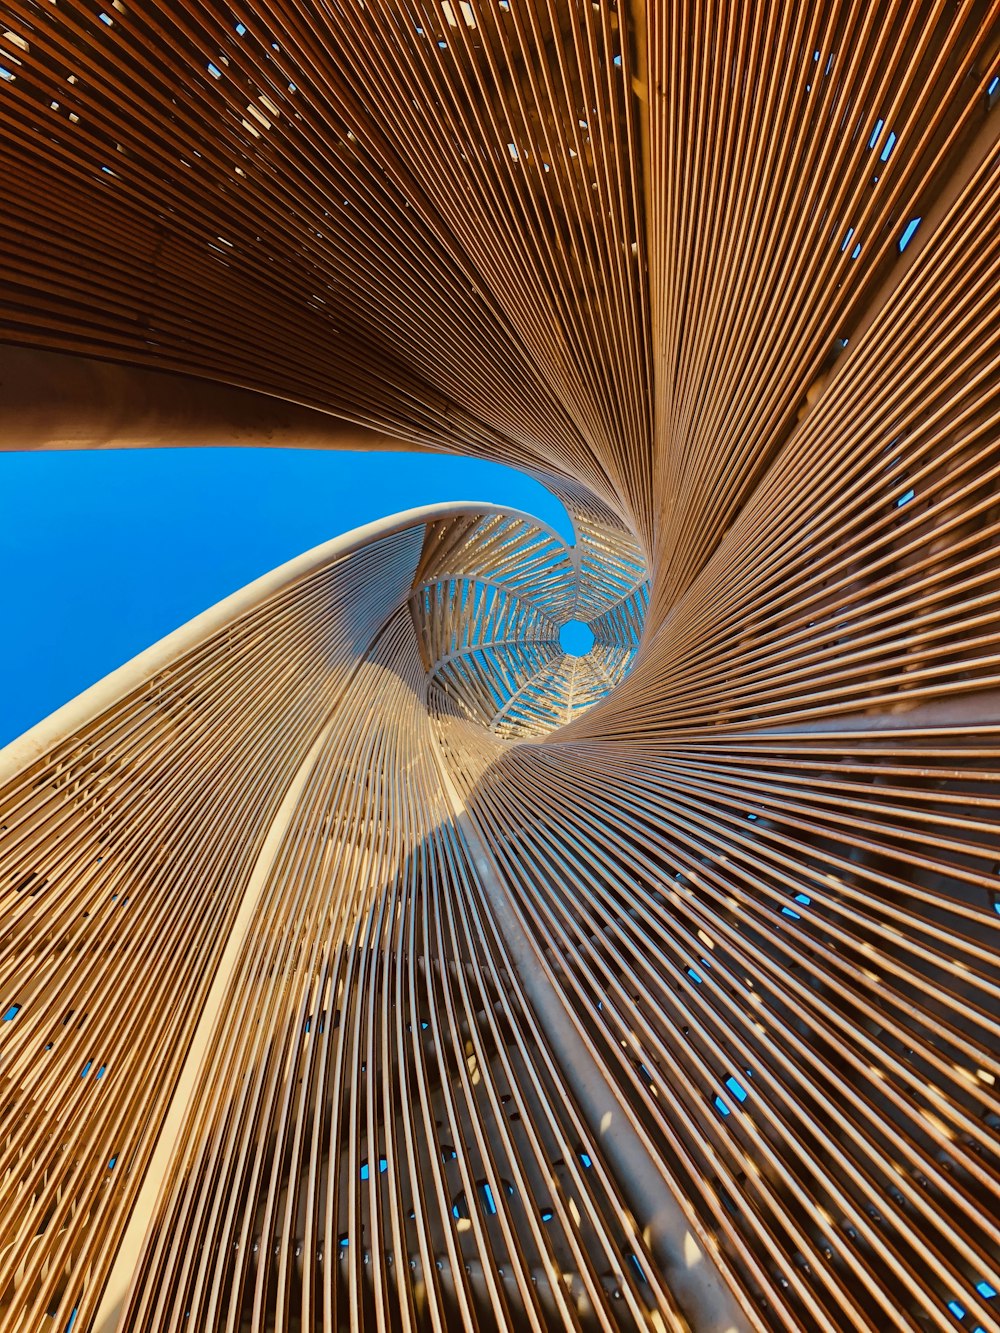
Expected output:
(52, 730)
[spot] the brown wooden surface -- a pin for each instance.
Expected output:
(664, 982)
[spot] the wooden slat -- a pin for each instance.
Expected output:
(369, 962)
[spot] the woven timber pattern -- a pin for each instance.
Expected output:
(370, 964)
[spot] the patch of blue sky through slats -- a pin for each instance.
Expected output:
(103, 552)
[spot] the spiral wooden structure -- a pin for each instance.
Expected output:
(367, 962)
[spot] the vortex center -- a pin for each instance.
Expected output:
(576, 638)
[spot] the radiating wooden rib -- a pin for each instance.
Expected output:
(488, 599)
(770, 846)
(365, 878)
(199, 927)
(650, 875)
(505, 548)
(757, 231)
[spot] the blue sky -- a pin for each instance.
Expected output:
(104, 552)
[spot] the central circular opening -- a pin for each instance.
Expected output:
(576, 638)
